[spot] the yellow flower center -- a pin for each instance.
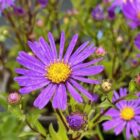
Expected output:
(58, 72)
(127, 113)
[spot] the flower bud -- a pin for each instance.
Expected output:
(100, 52)
(76, 121)
(14, 98)
(106, 85)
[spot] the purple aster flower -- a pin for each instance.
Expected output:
(5, 4)
(126, 115)
(137, 41)
(55, 72)
(98, 13)
(19, 11)
(76, 121)
(132, 15)
(43, 2)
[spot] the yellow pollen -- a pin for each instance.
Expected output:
(127, 113)
(58, 72)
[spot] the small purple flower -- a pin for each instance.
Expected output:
(76, 121)
(5, 4)
(100, 51)
(43, 2)
(19, 11)
(126, 115)
(132, 15)
(137, 41)
(98, 13)
(56, 72)
(115, 4)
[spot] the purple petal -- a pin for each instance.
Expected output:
(62, 45)
(45, 96)
(31, 66)
(74, 93)
(46, 48)
(111, 124)
(113, 112)
(83, 65)
(29, 72)
(93, 70)
(70, 47)
(37, 50)
(83, 55)
(52, 44)
(137, 41)
(26, 57)
(86, 80)
(120, 127)
(60, 98)
(134, 129)
(128, 133)
(29, 81)
(82, 90)
(28, 89)
(79, 50)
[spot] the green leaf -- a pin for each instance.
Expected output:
(132, 87)
(25, 134)
(131, 96)
(105, 104)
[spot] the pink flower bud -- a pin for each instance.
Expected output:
(14, 98)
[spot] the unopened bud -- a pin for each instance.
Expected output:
(100, 52)
(76, 121)
(14, 98)
(106, 85)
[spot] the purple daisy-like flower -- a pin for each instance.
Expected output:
(126, 115)
(55, 72)
(43, 2)
(98, 13)
(5, 4)
(131, 10)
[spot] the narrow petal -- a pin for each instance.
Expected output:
(27, 81)
(46, 48)
(60, 98)
(70, 47)
(83, 55)
(26, 57)
(93, 70)
(113, 112)
(28, 89)
(86, 80)
(62, 45)
(108, 125)
(79, 50)
(128, 133)
(120, 127)
(74, 93)
(29, 72)
(45, 96)
(82, 89)
(30, 66)
(83, 65)
(37, 50)
(134, 129)
(52, 44)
